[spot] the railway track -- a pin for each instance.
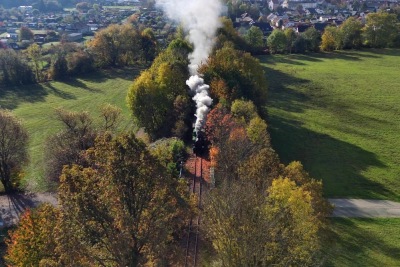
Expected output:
(195, 187)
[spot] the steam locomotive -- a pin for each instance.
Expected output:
(200, 143)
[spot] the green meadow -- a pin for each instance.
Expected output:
(35, 105)
(339, 114)
(363, 243)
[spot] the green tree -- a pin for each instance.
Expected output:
(313, 39)
(14, 70)
(291, 38)
(277, 41)
(300, 44)
(35, 54)
(13, 149)
(380, 30)
(157, 96)
(254, 37)
(350, 32)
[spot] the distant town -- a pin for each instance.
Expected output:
(50, 23)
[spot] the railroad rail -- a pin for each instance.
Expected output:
(195, 187)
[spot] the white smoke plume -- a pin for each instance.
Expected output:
(200, 18)
(202, 99)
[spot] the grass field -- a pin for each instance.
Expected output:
(364, 243)
(339, 114)
(35, 106)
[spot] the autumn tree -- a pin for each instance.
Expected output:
(331, 39)
(25, 34)
(124, 209)
(77, 135)
(239, 74)
(13, 149)
(33, 242)
(276, 228)
(116, 45)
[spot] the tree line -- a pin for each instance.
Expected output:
(381, 30)
(121, 202)
(114, 46)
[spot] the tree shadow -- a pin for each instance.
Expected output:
(59, 93)
(76, 83)
(350, 243)
(126, 73)
(339, 164)
(13, 206)
(385, 51)
(283, 97)
(12, 96)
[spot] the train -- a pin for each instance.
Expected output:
(200, 143)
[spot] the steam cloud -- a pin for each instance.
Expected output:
(200, 18)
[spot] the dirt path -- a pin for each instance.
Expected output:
(11, 206)
(365, 208)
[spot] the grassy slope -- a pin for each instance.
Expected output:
(35, 106)
(363, 243)
(338, 114)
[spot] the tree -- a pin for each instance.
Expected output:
(235, 213)
(291, 38)
(116, 45)
(25, 34)
(148, 44)
(35, 53)
(65, 147)
(351, 31)
(254, 37)
(59, 66)
(380, 30)
(14, 70)
(331, 39)
(33, 242)
(83, 6)
(277, 41)
(240, 72)
(313, 39)
(300, 44)
(121, 210)
(13, 149)
(158, 97)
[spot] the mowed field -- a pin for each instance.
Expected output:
(363, 243)
(339, 114)
(35, 106)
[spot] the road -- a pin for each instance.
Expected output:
(365, 208)
(11, 206)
